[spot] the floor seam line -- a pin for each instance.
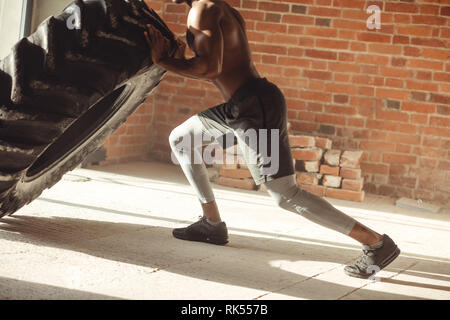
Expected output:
(295, 283)
(381, 280)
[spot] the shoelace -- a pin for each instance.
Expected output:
(362, 263)
(200, 221)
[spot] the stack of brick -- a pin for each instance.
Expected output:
(234, 171)
(327, 172)
(320, 169)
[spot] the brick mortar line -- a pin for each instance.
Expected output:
(347, 83)
(349, 41)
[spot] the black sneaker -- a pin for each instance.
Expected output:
(373, 260)
(204, 232)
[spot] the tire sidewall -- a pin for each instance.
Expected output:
(137, 89)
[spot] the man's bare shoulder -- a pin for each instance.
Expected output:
(206, 11)
(205, 4)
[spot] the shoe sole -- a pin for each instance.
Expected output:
(211, 240)
(382, 265)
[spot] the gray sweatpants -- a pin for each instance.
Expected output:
(283, 190)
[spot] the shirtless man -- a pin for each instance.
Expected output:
(216, 34)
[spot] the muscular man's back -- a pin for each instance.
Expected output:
(237, 67)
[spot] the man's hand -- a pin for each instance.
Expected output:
(181, 50)
(159, 45)
(208, 46)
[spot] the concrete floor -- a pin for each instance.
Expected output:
(106, 234)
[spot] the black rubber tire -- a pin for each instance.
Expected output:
(66, 87)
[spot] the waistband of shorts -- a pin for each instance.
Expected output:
(247, 89)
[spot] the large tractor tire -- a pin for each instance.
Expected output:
(68, 86)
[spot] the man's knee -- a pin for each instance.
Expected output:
(279, 199)
(174, 137)
(284, 187)
(283, 196)
(185, 132)
(179, 137)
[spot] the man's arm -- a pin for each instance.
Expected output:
(207, 45)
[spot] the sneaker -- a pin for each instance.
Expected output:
(373, 260)
(203, 231)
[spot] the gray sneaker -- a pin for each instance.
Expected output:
(373, 260)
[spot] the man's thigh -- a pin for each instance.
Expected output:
(214, 125)
(255, 143)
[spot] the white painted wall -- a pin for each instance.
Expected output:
(11, 15)
(46, 8)
(10, 18)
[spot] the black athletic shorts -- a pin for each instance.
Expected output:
(256, 118)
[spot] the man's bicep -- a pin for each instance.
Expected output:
(207, 31)
(209, 42)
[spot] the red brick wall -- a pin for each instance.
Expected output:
(132, 140)
(386, 91)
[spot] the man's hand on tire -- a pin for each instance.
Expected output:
(159, 45)
(180, 53)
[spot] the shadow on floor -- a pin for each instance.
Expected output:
(251, 262)
(13, 289)
(167, 173)
(262, 233)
